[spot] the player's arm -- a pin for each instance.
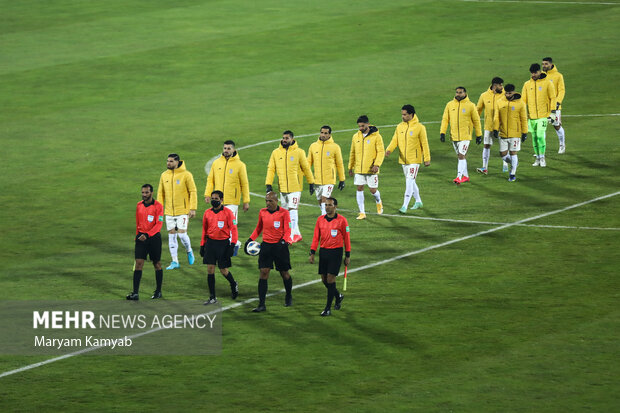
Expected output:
(339, 163)
(305, 167)
(523, 119)
(561, 90)
(351, 165)
(244, 183)
(393, 143)
(496, 118)
(259, 227)
(315, 240)
(552, 96)
(524, 93)
(205, 228)
(158, 220)
(286, 221)
(347, 240)
(232, 223)
(380, 150)
(137, 218)
(310, 156)
(193, 194)
(444, 120)
(480, 105)
(475, 118)
(426, 152)
(210, 185)
(271, 170)
(161, 195)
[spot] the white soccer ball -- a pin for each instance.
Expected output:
(253, 248)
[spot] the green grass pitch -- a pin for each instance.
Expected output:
(520, 318)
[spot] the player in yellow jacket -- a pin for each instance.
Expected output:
(488, 102)
(539, 96)
(326, 156)
(366, 156)
(410, 139)
(229, 175)
(287, 161)
(463, 118)
(557, 79)
(177, 193)
(511, 122)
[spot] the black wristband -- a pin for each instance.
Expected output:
(312, 252)
(347, 254)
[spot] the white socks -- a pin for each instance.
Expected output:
(561, 136)
(462, 168)
(185, 241)
(360, 201)
(377, 196)
(514, 161)
(323, 212)
(174, 247)
(294, 222)
(408, 192)
(486, 154)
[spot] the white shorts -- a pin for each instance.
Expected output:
(372, 181)
(512, 144)
(488, 137)
(234, 209)
(460, 147)
(177, 222)
(290, 200)
(324, 190)
(558, 118)
(411, 170)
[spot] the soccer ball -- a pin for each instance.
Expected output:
(253, 248)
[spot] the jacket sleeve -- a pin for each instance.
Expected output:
(310, 156)
(351, 165)
(380, 150)
(205, 228)
(233, 227)
(524, 93)
(339, 163)
(496, 117)
(259, 227)
(161, 194)
(347, 235)
(210, 183)
(244, 183)
(158, 219)
(426, 152)
(523, 116)
(193, 193)
(480, 105)
(444, 120)
(475, 118)
(317, 235)
(394, 142)
(303, 163)
(561, 90)
(137, 219)
(287, 225)
(552, 96)
(271, 170)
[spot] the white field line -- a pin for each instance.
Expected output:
(364, 267)
(584, 3)
(464, 221)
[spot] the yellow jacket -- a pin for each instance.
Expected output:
(539, 96)
(326, 158)
(177, 191)
(366, 151)
(510, 117)
(410, 139)
(557, 79)
(488, 100)
(231, 177)
(288, 163)
(463, 118)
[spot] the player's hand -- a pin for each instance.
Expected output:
(245, 246)
(311, 259)
(202, 250)
(142, 236)
(192, 213)
(552, 117)
(341, 185)
(478, 140)
(387, 153)
(496, 134)
(347, 261)
(246, 206)
(350, 172)
(208, 200)
(374, 169)
(311, 188)
(427, 163)
(269, 188)
(442, 137)
(523, 137)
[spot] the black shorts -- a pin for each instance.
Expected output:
(278, 253)
(216, 251)
(330, 260)
(150, 246)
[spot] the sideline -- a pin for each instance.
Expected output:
(353, 270)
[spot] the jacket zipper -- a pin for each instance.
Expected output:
(536, 98)
(363, 138)
(173, 214)
(225, 170)
(458, 120)
(286, 168)
(406, 132)
(322, 177)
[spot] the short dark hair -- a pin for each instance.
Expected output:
(174, 156)
(409, 108)
(497, 81)
(288, 132)
(461, 87)
(509, 87)
(547, 59)
(363, 119)
(149, 186)
(229, 142)
(333, 199)
(218, 193)
(534, 67)
(329, 128)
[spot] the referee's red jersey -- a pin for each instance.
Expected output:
(274, 225)
(149, 218)
(220, 224)
(332, 233)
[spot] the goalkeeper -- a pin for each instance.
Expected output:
(275, 224)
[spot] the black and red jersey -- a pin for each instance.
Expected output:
(274, 225)
(149, 218)
(219, 224)
(331, 233)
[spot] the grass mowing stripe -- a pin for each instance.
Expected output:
(353, 270)
(583, 3)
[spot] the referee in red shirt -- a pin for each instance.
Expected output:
(219, 236)
(149, 219)
(275, 224)
(332, 231)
